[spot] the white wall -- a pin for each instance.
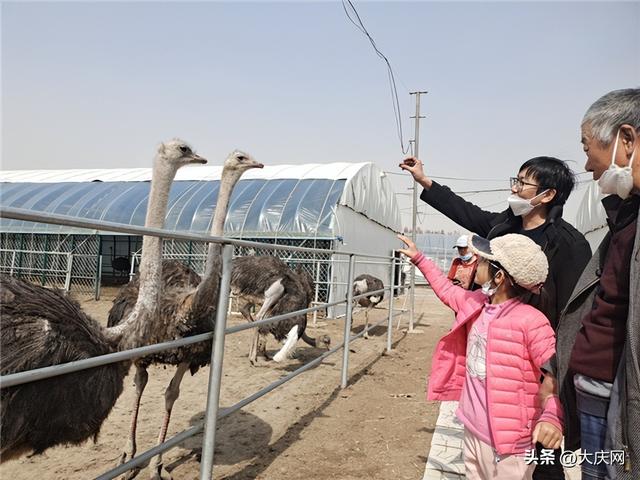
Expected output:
(359, 235)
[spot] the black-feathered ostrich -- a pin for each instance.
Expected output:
(269, 281)
(41, 327)
(367, 283)
(187, 307)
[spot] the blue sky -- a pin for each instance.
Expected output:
(98, 85)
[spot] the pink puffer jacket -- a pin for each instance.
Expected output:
(519, 341)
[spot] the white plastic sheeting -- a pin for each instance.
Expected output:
(591, 218)
(280, 200)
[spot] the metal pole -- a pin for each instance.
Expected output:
(390, 323)
(215, 371)
(13, 262)
(416, 153)
(67, 280)
(316, 264)
(347, 322)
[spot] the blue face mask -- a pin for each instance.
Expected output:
(465, 258)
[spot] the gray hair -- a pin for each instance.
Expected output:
(612, 110)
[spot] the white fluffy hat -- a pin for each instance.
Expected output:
(521, 257)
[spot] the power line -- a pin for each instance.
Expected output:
(392, 81)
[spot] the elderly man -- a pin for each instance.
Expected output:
(463, 267)
(598, 345)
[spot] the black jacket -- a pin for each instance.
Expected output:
(567, 250)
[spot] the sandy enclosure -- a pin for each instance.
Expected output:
(259, 440)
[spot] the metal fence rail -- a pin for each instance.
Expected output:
(213, 412)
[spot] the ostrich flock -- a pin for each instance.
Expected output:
(167, 300)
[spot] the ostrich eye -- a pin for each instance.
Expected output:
(185, 149)
(242, 158)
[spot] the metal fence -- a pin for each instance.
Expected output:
(69, 262)
(213, 412)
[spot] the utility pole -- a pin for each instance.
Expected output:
(416, 153)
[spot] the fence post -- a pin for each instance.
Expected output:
(96, 286)
(134, 258)
(391, 292)
(316, 265)
(215, 370)
(347, 322)
(13, 262)
(67, 279)
(43, 280)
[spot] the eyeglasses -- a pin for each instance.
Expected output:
(519, 184)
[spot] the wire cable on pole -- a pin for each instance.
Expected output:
(392, 81)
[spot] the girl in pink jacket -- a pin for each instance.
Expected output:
(490, 361)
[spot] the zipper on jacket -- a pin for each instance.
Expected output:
(500, 314)
(627, 460)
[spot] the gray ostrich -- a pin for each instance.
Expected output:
(367, 283)
(41, 327)
(187, 307)
(269, 280)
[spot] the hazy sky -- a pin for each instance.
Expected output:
(98, 85)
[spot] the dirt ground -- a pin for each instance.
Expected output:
(379, 427)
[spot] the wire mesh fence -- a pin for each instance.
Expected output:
(68, 262)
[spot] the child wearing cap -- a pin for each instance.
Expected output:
(490, 361)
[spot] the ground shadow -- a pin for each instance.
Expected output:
(243, 436)
(240, 436)
(266, 456)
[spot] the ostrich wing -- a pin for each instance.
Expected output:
(41, 327)
(174, 275)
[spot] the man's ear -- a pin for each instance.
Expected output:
(629, 137)
(548, 195)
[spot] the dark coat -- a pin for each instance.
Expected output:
(565, 247)
(624, 408)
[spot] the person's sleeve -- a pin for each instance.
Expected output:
(553, 412)
(456, 208)
(541, 342)
(450, 294)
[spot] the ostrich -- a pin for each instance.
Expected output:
(187, 307)
(367, 283)
(41, 327)
(268, 280)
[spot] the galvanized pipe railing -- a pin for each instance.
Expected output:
(212, 412)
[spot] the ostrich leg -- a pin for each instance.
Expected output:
(140, 382)
(366, 323)
(271, 296)
(171, 394)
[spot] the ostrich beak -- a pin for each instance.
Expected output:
(258, 165)
(197, 159)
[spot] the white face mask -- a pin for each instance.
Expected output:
(487, 290)
(521, 206)
(617, 180)
(486, 287)
(465, 258)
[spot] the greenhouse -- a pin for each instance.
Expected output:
(341, 206)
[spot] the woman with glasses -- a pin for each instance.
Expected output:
(538, 194)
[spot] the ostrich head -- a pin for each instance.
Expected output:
(239, 162)
(175, 154)
(324, 341)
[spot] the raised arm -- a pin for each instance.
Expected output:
(450, 294)
(454, 207)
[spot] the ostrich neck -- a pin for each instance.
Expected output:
(208, 288)
(150, 270)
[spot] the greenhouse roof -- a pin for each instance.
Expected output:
(280, 200)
